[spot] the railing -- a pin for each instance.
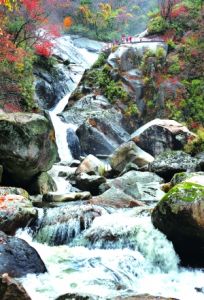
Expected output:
(131, 40)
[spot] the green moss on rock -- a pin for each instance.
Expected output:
(186, 192)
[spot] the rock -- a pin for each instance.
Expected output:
(141, 186)
(159, 135)
(10, 289)
(171, 162)
(194, 177)
(168, 91)
(27, 145)
(100, 136)
(127, 57)
(115, 198)
(1, 172)
(75, 163)
(59, 226)
(18, 258)
(90, 183)
(8, 190)
(145, 297)
(180, 216)
(52, 84)
(126, 153)
(16, 211)
(133, 80)
(73, 196)
(74, 297)
(200, 157)
(73, 143)
(90, 45)
(43, 184)
(89, 165)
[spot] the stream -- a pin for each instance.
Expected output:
(119, 253)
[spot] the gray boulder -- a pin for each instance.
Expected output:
(171, 162)
(89, 183)
(179, 215)
(134, 188)
(27, 145)
(18, 258)
(129, 153)
(159, 135)
(100, 136)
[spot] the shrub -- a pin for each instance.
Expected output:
(157, 25)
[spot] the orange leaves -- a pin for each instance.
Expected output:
(67, 22)
(6, 199)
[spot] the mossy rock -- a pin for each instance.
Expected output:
(180, 216)
(185, 176)
(27, 146)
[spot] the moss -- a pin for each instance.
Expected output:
(186, 192)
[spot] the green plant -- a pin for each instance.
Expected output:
(157, 25)
(132, 110)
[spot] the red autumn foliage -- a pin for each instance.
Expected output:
(178, 11)
(11, 107)
(44, 48)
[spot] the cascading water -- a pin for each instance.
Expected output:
(103, 255)
(151, 267)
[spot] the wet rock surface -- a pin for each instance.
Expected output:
(16, 211)
(170, 162)
(160, 135)
(18, 258)
(27, 145)
(11, 289)
(179, 215)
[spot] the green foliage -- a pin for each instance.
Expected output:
(113, 90)
(174, 68)
(193, 106)
(157, 25)
(100, 61)
(132, 110)
(171, 44)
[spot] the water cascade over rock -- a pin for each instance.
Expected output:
(104, 246)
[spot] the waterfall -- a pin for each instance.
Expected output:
(94, 251)
(151, 267)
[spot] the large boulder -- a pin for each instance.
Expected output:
(159, 135)
(27, 145)
(134, 186)
(126, 153)
(18, 258)
(10, 289)
(16, 211)
(170, 162)
(100, 136)
(180, 216)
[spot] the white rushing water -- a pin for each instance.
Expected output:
(106, 273)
